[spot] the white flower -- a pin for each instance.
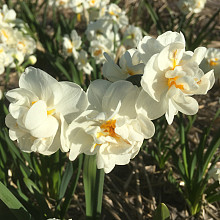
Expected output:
(170, 78)
(59, 3)
(7, 16)
(1, 94)
(36, 108)
(110, 128)
(101, 27)
(71, 45)
(130, 64)
(8, 35)
(5, 57)
(76, 5)
(132, 36)
(25, 44)
(98, 47)
(83, 63)
(212, 61)
(149, 46)
(194, 6)
(116, 14)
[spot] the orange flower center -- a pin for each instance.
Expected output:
(108, 129)
(172, 81)
(213, 62)
(97, 52)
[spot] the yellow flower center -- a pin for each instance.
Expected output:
(108, 129)
(172, 81)
(98, 52)
(1, 50)
(61, 2)
(213, 62)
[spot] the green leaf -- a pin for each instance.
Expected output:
(13, 203)
(66, 179)
(161, 213)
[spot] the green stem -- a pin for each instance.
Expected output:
(93, 180)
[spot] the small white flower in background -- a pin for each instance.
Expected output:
(83, 63)
(76, 5)
(72, 44)
(129, 65)
(115, 14)
(5, 58)
(25, 44)
(212, 61)
(98, 28)
(36, 108)
(59, 3)
(110, 128)
(215, 172)
(7, 16)
(8, 35)
(170, 77)
(98, 47)
(194, 6)
(132, 36)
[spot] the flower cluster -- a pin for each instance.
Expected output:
(15, 44)
(103, 34)
(112, 119)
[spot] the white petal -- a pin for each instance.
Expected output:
(206, 83)
(21, 96)
(95, 92)
(36, 115)
(149, 107)
(42, 84)
(73, 99)
(171, 37)
(153, 81)
(116, 93)
(47, 129)
(185, 104)
(147, 47)
(147, 126)
(199, 54)
(112, 71)
(171, 112)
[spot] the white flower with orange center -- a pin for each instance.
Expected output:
(72, 44)
(212, 61)
(98, 47)
(129, 64)
(36, 108)
(110, 128)
(170, 78)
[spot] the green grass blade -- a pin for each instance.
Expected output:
(13, 203)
